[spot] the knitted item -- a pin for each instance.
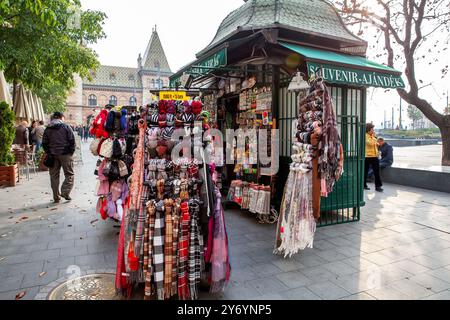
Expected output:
(168, 249)
(183, 253)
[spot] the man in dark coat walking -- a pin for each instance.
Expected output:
(59, 142)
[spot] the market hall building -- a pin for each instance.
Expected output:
(120, 86)
(263, 51)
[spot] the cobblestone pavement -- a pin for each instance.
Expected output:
(400, 249)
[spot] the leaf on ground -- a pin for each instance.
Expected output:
(42, 274)
(11, 218)
(69, 225)
(53, 209)
(93, 222)
(23, 218)
(1, 259)
(3, 235)
(20, 295)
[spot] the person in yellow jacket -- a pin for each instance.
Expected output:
(372, 158)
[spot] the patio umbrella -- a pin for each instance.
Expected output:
(4, 91)
(21, 106)
(32, 105)
(40, 109)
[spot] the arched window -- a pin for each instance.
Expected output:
(133, 102)
(113, 100)
(92, 100)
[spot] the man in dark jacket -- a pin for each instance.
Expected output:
(59, 142)
(387, 154)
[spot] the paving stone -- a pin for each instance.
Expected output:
(387, 293)
(359, 263)
(32, 280)
(378, 258)
(359, 296)
(311, 260)
(15, 259)
(444, 295)
(240, 294)
(11, 295)
(331, 255)
(410, 288)
(429, 262)
(242, 275)
(328, 290)
(429, 282)
(288, 264)
(58, 263)
(44, 255)
(339, 268)
(61, 244)
(74, 251)
(318, 274)
(442, 273)
(271, 297)
(21, 268)
(265, 269)
(268, 285)
(411, 266)
(302, 293)
(294, 279)
(11, 283)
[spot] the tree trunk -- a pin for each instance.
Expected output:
(445, 132)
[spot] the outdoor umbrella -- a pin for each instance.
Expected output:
(21, 106)
(32, 105)
(40, 109)
(37, 113)
(4, 92)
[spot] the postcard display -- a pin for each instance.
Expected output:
(173, 234)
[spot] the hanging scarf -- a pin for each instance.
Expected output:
(330, 168)
(151, 210)
(220, 264)
(121, 279)
(176, 228)
(297, 226)
(158, 250)
(137, 214)
(168, 249)
(183, 253)
(196, 258)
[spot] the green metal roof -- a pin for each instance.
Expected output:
(337, 58)
(115, 77)
(311, 16)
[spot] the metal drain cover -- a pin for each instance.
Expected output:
(99, 286)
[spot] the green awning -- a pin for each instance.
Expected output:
(347, 69)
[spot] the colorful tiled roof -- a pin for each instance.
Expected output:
(154, 57)
(311, 16)
(111, 76)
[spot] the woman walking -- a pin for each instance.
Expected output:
(372, 158)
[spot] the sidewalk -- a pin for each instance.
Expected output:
(400, 249)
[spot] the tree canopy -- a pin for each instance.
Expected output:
(44, 43)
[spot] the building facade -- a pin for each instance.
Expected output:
(120, 86)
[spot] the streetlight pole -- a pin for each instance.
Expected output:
(401, 124)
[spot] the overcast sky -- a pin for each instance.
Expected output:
(186, 27)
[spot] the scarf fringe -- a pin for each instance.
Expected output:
(218, 287)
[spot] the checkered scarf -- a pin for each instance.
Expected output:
(196, 254)
(158, 250)
(183, 253)
(168, 249)
(148, 244)
(176, 228)
(140, 228)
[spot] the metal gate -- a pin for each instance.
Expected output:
(344, 203)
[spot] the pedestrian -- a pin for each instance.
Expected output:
(59, 143)
(386, 156)
(86, 133)
(22, 137)
(372, 160)
(38, 134)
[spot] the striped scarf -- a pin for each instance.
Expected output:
(176, 228)
(183, 253)
(168, 249)
(196, 254)
(151, 210)
(158, 250)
